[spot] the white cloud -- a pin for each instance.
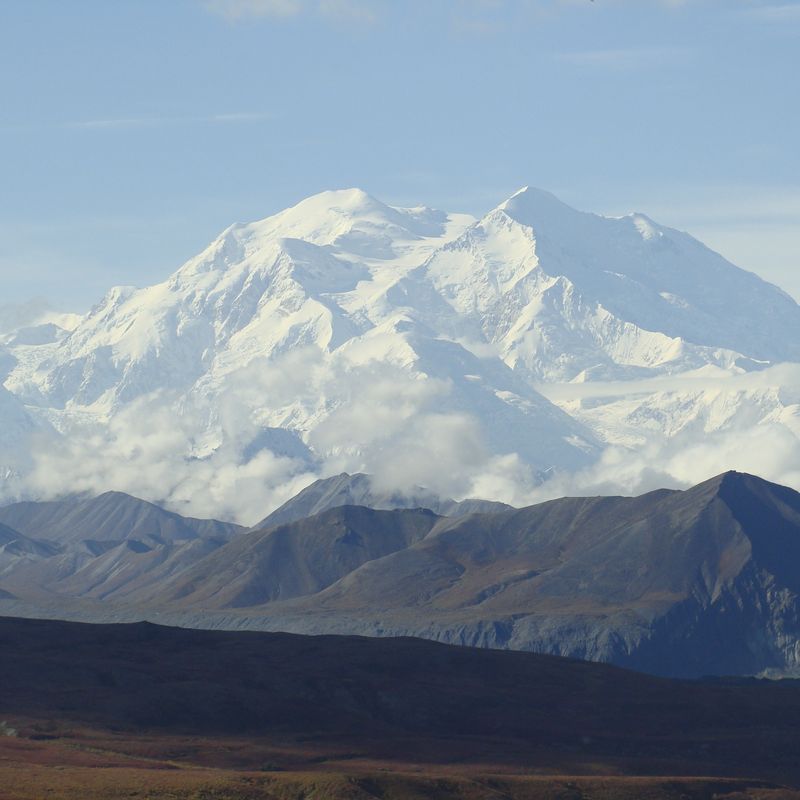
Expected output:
(384, 421)
(780, 375)
(494, 16)
(194, 456)
(769, 451)
(769, 448)
(148, 449)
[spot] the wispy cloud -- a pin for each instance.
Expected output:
(126, 123)
(242, 9)
(623, 58)
(776, 12)
(240, 116)
(495, 17)
(601, 3)
(482, 17)
(348, 11)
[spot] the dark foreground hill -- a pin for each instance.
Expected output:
(391, 700)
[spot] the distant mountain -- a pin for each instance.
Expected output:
(562, 292)
(111, 517)
(440, 319)
(646, 582)
(357, 490)
(394, 701)
(684, 583)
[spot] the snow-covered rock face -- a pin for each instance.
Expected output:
(409, 342)
(561, 291)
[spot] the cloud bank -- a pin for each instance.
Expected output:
(227, 460)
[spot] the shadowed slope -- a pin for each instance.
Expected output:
(299, 558)
(381, 697)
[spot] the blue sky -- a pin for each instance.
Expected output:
(133, 131)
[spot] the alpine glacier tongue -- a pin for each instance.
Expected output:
(344, 334)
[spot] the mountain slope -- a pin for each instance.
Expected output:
(297, 559)
(561, 291)
(660, 279)
(646, 582)
(113, 516)
(16, 550)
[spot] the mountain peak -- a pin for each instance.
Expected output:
(733, 479)
(353, 220)
(730, 480)
(352, 202)
(352, 198)
(530, 205)
(751, 495)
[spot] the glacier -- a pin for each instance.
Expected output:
(534, 351)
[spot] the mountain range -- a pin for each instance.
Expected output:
(679, 583)
(478, 357)
(485, 723)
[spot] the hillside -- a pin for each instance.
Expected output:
(682, 583)
(391, 701)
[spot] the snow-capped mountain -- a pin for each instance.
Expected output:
(421, 346)
(560, 292)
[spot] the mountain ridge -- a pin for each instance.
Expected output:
(645, 582)
(112, 515)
